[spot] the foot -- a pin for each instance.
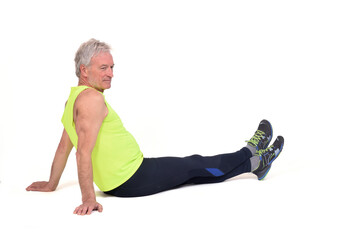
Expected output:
(267, 156)
(262, 136)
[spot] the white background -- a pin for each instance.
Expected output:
(190, 77)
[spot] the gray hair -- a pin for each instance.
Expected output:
(86, 51)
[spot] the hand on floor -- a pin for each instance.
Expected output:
(41, 187)
(88, 207)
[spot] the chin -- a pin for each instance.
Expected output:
(107, 86)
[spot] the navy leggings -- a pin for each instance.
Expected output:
(164, 173)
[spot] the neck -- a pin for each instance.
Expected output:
(85, 82)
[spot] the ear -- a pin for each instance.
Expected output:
(83, 70)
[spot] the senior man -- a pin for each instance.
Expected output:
(108, 154)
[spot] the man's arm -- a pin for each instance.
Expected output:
(89, 113)
(62, 153)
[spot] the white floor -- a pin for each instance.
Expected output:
(190, 77)
(295, 201)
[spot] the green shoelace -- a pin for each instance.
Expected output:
(256, 138)
(262, 151)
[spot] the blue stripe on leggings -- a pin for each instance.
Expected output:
(215, 171)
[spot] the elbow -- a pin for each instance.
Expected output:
(83, 156)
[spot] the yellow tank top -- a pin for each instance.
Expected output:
(116, 155)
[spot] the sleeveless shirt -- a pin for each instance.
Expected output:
(116, 155)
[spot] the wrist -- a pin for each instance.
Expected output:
(88, 199)
(52, 185)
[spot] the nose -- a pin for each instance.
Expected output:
(110, 72)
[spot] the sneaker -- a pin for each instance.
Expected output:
(267, 156)
(262, 136)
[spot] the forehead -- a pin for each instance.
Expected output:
(102, 58)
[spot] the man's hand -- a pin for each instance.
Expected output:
(41, 187)
(87, 207)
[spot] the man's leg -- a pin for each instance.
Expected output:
(165, 173)
(260, 140)
(160, 174)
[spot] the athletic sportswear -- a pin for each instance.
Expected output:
(262, 136)
(160, 174)
(267, 156)
(116, 155)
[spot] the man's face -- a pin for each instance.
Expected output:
(100, 71)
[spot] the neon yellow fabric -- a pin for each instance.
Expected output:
(116, 155)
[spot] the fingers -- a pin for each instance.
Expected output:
(82, 211)
(86, 209)
(89, 210)
(39, 186)
(31, 187)
(100, 207)
(34, 186)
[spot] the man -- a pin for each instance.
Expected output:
(109, 155)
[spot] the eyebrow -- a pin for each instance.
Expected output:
(105, 65)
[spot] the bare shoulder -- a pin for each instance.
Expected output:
(90, 97)
(90, 101)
